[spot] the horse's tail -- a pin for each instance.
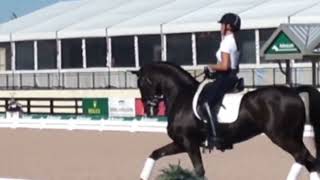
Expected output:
(314, 112)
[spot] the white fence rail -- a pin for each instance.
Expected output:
(142, 125)
(112, 124)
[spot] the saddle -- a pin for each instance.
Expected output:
(238, 87)
(230, 96)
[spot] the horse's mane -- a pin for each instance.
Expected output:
(177, 72)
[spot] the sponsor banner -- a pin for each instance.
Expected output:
(95, 106)
(162, 109)
(120, 107)
(140, 108)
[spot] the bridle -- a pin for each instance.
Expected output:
(153, 102)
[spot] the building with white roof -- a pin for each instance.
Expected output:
(93, 43)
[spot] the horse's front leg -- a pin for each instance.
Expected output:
(196, 159)
(166, 150)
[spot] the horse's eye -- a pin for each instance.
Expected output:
(145, 81)
(149, 81)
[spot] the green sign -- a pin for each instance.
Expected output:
(95, 106)
(282, 45)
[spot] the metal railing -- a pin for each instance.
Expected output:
(124, 79)
(51, 106)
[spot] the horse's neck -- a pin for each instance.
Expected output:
(174, 87)
(171, 94)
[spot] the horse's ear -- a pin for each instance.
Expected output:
(136, 73)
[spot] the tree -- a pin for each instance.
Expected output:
(14, 15)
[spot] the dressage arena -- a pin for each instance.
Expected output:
(93, 155)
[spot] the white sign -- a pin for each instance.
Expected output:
(120, 107)
(284, 47)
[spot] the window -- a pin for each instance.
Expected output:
(207, 46)
(179, 49)
(149, 49)
(123, 51)
(247, 45)
(47, 54)
(5, 56)
(72, 53)
(264, 35)
(24, 55)
(96, 50)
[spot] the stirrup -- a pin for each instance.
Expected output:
(218, 143)
(206, 146)
(210, 143)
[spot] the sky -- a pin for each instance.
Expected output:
(20, 7)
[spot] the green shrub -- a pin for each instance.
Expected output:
(176, 172)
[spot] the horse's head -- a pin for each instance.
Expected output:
(163, 80)
(150, 91)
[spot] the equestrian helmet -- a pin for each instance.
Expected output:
(232, 19)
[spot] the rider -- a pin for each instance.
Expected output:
(225, 73)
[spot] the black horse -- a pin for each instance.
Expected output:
(276, 111)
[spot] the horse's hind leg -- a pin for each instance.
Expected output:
(302, 156)
(166, 150)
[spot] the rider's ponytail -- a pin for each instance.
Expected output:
(238, 44)
(237, 39)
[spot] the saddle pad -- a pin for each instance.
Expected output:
(229, 110)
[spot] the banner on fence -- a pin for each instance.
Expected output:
(95, 106)
(120, 107)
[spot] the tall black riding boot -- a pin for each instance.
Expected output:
(214, 138)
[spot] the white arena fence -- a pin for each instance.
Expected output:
(137, 124)
(134, 124)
